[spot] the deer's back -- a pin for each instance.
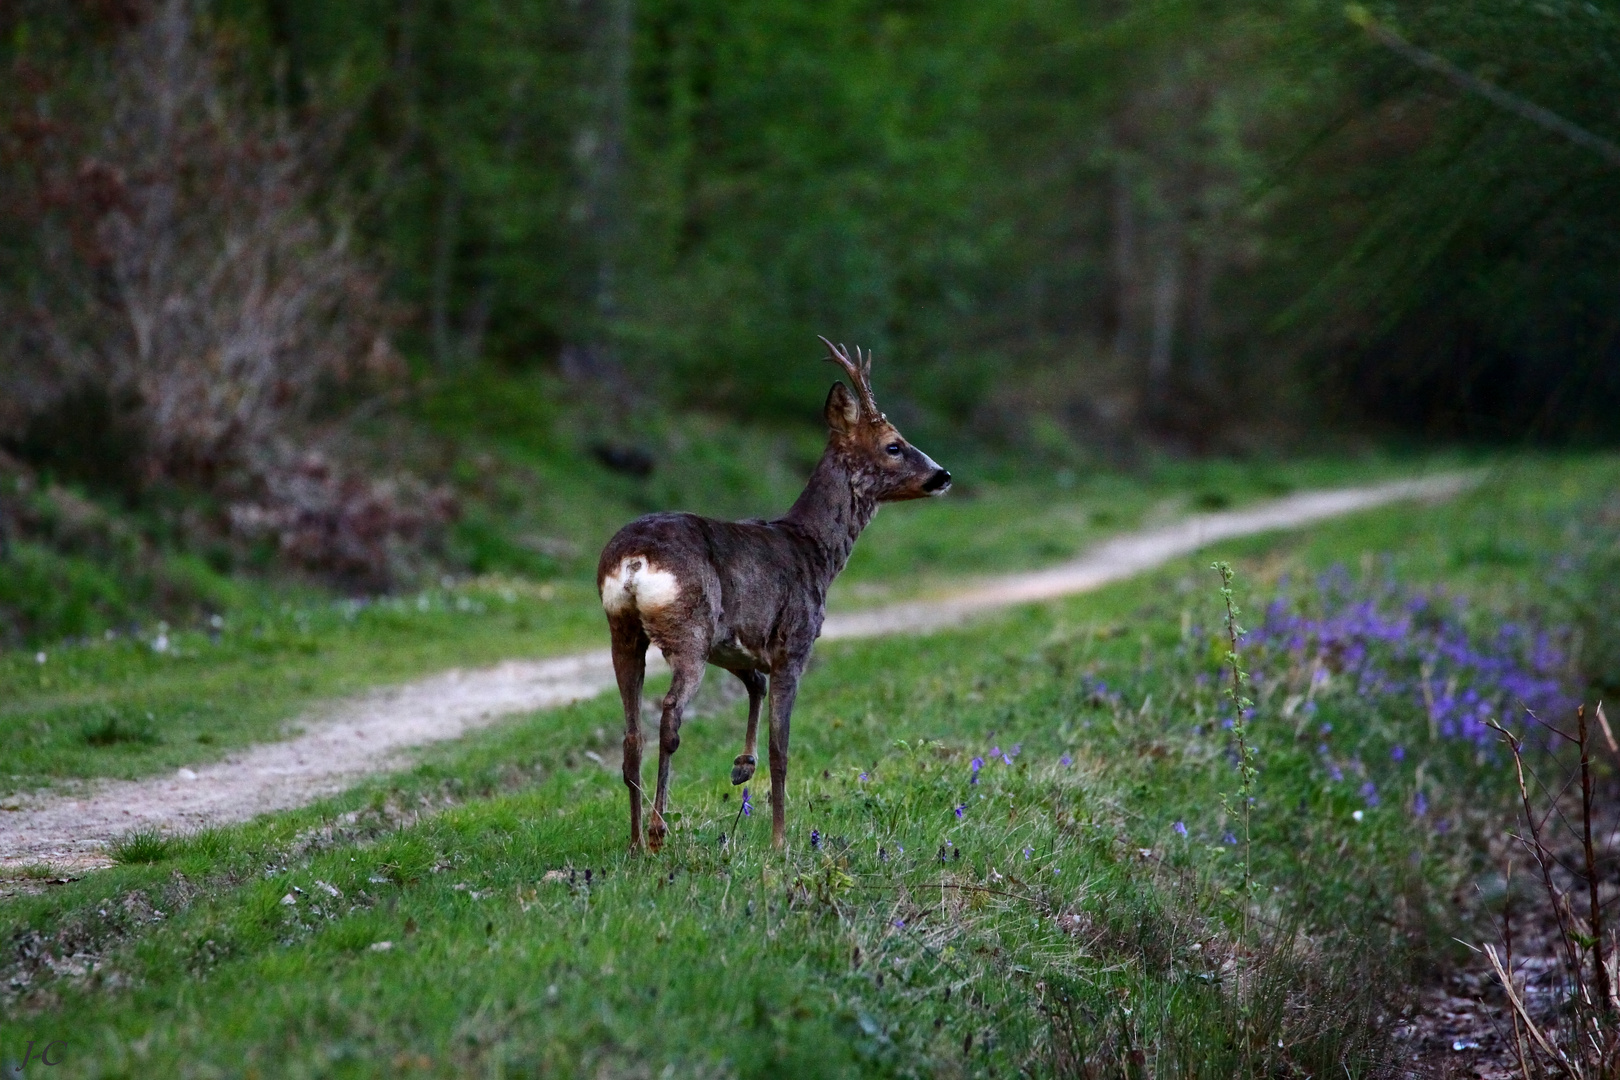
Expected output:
(737, 588)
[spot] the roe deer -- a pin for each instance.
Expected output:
(749, 596)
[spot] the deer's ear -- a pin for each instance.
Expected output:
(842, 410)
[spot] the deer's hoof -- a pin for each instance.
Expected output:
(655, 836)
(742, 770)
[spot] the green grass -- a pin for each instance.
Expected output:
(1077, 922)
(112, 704)
(136, 703)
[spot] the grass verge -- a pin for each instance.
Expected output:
(1009, 852)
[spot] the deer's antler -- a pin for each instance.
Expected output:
(859, 371)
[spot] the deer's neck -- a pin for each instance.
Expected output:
(831, 512)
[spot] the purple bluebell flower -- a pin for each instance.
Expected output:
(1335, 773)
(960, 810)
(864, 778)
(1180, 827)
(975, 765)
(1065, 761)
(1027, 853)
(1369, 793)
(1228, 838)
(1398, 754)
(899, 924)
(815, 840)
(747, 806)
(1006, 759)
(1420, 804)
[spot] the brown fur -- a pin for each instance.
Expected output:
(749, 596)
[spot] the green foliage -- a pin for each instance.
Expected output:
(1078, 219)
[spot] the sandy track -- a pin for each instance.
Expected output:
(351, 739)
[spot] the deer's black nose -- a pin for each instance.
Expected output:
(936, 484)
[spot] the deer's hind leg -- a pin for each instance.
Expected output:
(742, 769)
(630, 666)
(687, 664)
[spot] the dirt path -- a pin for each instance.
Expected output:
(351, 739)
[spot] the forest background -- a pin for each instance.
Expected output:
(337, 289)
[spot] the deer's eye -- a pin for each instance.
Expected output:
(893, 449)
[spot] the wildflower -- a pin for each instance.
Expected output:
(815, 840)
(747, 807)
(39, 658)
(1357, 815)
(1027, 853)
(1228, 839)
(995, 751)
(976, 764)
(864, 778)
(1420, 804)
(1180, 827)
(960, 810)
(1006, 759)
(1369, 792)
(1326, 728)
(1065, 761)
(1398, 754)
(1336, 773)
(899, 924)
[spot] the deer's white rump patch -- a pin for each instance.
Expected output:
(637, 582)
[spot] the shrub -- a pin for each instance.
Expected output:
(179, 269)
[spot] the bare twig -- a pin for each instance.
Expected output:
(1563, 1063)
(1502, 99)
(1600, 972)
(1603, 722)
(1543, 861)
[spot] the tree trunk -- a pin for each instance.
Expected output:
(444, 255)
(1126, 282)
(1166, 302)
(601, 153)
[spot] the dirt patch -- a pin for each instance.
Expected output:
(352, 739)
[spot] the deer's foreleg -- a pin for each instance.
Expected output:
(742, 769)
(630, 666)
(784, 687)
(688, 668)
